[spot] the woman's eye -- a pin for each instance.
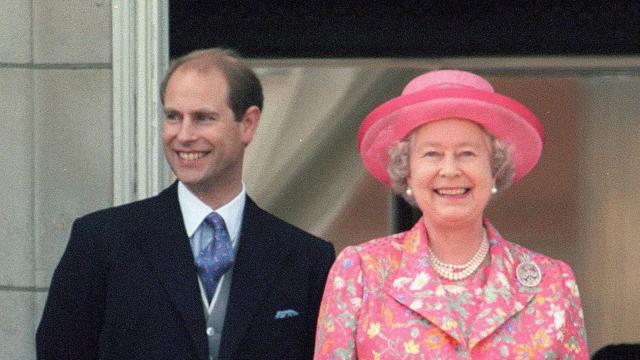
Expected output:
(468, 153)
(431, 153)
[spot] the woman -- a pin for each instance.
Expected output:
(451, 287)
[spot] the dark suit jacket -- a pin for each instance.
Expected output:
(126, 288)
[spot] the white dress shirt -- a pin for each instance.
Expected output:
(194, 211)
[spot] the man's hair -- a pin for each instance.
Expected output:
(245, 89)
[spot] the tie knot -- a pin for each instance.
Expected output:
(216, 221)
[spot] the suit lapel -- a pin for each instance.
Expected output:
(163, 241)
(260, 256)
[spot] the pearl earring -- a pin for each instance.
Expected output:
(494, 190)
(408, 192)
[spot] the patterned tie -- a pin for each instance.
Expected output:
(217, 257)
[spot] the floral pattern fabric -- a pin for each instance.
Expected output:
(383, 300)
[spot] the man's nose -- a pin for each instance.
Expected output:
(187, 131)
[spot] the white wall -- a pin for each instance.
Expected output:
(55, 146)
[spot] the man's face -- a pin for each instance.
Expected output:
(203, 143)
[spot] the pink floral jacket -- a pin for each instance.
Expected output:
(384, 301)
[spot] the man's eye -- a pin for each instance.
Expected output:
(431, 153)
(203, 117)
(468, 153)
(171, 116)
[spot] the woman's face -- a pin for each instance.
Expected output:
(450, 172)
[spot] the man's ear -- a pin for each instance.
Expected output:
(249, 124)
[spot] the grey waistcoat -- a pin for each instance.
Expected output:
(215, 321)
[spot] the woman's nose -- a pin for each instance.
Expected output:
(449, 167)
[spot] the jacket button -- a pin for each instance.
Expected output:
(210, 331)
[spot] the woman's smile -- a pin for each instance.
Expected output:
(449, 170)
(451, 192)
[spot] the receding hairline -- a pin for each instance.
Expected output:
(202, 61)
(206, 72)
(206, 61)
(199, 69)
(243, 84)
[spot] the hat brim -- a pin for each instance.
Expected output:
(503, 117)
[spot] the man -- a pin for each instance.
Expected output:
(198, 271)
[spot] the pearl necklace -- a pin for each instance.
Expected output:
(459, 272)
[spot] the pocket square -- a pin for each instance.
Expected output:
(281, 314)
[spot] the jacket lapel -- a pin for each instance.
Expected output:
(504, 296)
(258, 261)
(416, 285)
(163, 241)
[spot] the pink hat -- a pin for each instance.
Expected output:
(444, 94)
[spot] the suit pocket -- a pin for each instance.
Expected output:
(269, 335)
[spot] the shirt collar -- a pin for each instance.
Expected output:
(194, 211)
